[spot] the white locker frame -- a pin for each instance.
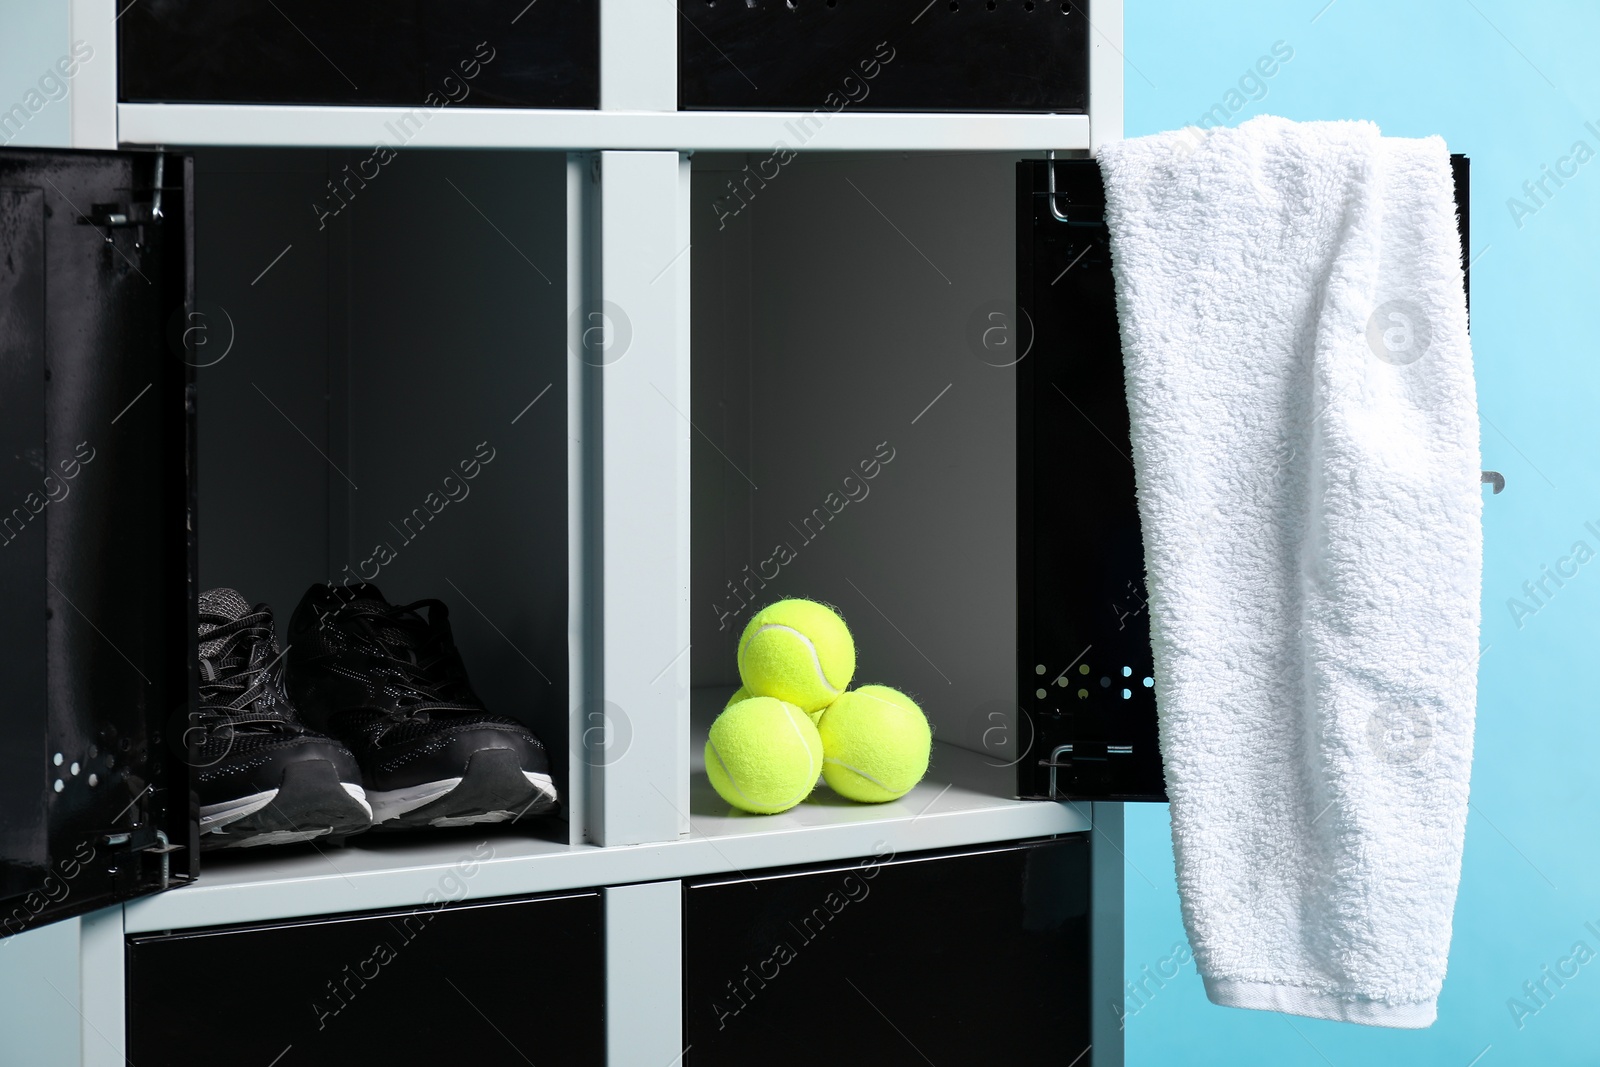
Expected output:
(628, 226)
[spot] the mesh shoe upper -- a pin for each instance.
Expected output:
(389, 682)
(245, 729)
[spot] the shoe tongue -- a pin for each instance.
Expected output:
(402, 629)
(219, 607)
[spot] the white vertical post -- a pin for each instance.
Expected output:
(103, 988)
(586, 714)
(644, 975)
(93, 97)
(1106, 63)
(634, 340)
(639, 55)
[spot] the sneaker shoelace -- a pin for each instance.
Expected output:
(240, 675)
(414, 656)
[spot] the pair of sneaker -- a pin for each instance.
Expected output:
(367, 720)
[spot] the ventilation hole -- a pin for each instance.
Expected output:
(1126, 693)
(1066, 9)
(1028, 6)
(1127, 672)
(94, 780)
(1148, 682)
(833, 3)
(57, 759)
(954, 6)
(1038, 668)
(94, 750)
(1062, 681)
(1083, 668)
(1040, 693)
(1083, 694)
(1105, 683)
(74, 769)
(60, 785)
(990, 5)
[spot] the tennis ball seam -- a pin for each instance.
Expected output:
(816, 661)
(729, 774)
(862, 773)
(811, 768)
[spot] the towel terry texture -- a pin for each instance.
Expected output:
(1305, 441)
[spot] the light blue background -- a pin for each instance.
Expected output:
(1510, 84)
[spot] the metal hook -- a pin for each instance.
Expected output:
(155, 203)
(1050, 171)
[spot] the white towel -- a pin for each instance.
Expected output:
(1305, 440)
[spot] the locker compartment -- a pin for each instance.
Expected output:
(868, 962)
(417, 53)
(854, 394)
(857, 441)
(496, 982)
(380, 362)
(832, 55)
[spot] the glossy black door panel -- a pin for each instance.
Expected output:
(860, 55)
(422, 53)
(1084, 660)
(962, 956)
(96, 538)
(499, 982)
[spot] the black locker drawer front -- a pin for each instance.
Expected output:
(423, 53)
(864, 55)
(503, 982)
(970, 956)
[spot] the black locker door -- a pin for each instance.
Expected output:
(1085, 670)
(97, 626)
(961, 956)
(493, 982)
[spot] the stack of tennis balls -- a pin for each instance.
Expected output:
(795, 715)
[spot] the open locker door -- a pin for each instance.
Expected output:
(1085, 669)
(1084, 666)
(97, 631)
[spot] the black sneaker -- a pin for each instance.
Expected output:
(261, 776)
(389, 683)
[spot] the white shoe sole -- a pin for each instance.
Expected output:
(216, 818)
(391, 804)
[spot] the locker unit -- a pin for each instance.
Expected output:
(687, 321)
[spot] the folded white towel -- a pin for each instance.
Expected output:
(1305, 439)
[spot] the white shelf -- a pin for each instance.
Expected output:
(733, 131)
(965, 800)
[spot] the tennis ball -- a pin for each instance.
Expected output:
(875, 744)
(763, 755)
(798, 651)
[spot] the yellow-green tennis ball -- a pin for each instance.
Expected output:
(875, 744)
(798, 651)
(763, 755)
